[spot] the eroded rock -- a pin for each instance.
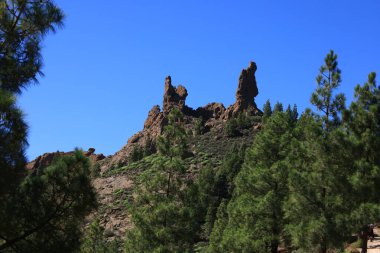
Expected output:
(173, 97)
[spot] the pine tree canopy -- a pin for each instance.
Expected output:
(23, 25)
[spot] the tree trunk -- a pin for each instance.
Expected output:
(274, 246)
(364, 239)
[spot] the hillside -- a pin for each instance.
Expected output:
(209, 142)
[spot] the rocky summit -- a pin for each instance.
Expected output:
(211, 114)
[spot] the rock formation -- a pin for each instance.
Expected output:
(212, 114)
(173, 97)
(211, 110)
(245, 94)
(247, 88)
(211, 140)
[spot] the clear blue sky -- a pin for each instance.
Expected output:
(106, 68)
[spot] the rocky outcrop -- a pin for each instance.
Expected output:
(245, 94)
(47, 159)
(211, 114)
(155, 122)
(211, 110)
(173, 97)
(247, 88)
(43, 161)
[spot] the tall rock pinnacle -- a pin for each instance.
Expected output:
(247, 88)
(245, 94)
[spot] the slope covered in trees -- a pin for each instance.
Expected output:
(265, 182)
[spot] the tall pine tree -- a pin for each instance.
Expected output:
(328, 80)
(362, 126)
(41, 212)
(316, 207)
(162, 210)
(255, 213)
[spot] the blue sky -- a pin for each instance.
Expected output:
(106, 68)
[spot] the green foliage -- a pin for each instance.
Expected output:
(47, 210)
(174, 141)
(23, 25)
(309, 182)
(278, 107)
(162, 210)
(362, 121)
(292, 113)
(231, 128)
(13, 133)
(199, 127)
(215, 184)
(220, 224)
(43, 211)
(329, 80)
(234, 126)
(267, 110)
(95, 241)
(255, 213)
(137, 154)
(149, 148)
(317, 207)
(335, 170)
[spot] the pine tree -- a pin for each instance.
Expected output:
(215, 185)
(41, 212)
(13, 133)
(316, 208)
(23, 25)
(95, 241)
(162, 211)
(292, 113)
(323, 98)
(46, 212)
(267, 110)
(255, 216)
(362, 121)
(220, 224)
(278, 107)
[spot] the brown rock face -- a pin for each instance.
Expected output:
(153, 114)
(43, 161)
(245, 95)
(247, 88)
(173, 97)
